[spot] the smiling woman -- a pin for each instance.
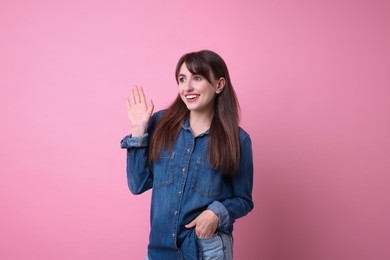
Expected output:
(197, 92)
(197, 160)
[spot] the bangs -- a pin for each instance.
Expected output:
(196, 65)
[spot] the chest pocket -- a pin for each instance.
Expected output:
(206, 181)
(163, 170)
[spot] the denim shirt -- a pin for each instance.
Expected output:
(184, 185)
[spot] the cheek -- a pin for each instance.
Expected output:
(180, 89)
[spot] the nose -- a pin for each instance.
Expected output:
(188, 86)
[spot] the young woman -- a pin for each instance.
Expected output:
(197, 160)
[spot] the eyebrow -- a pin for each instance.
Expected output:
(191, 75)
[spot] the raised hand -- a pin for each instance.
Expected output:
(138, 110)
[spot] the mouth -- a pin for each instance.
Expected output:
(191, 97)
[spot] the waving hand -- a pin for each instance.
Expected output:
(138, 110)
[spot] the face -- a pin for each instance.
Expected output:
(196, 92)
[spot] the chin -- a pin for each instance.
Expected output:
(189, 107)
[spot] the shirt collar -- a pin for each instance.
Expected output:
(186, 126)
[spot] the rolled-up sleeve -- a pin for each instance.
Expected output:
(139, 173)
(129, 141)
(242, 183)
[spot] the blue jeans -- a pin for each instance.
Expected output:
(217, 247)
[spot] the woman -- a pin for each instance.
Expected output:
(197, 160)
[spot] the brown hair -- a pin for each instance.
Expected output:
(224, 145)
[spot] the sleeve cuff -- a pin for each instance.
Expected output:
(219, 209)
(129, 141)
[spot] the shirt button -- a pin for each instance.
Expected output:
(183, 170)
(179, 192)
(173, 234)
(188, 150)
(176, 213)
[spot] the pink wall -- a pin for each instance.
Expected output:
(313, 81)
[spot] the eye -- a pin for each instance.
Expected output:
(181, 79)
(198, 78)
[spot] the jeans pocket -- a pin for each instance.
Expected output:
(217, 247)
(211, 247)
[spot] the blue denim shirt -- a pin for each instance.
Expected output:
(184, 185)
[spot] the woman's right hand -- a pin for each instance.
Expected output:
(138, 111)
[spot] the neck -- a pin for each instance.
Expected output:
(200, 122)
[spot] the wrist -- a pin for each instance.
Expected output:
(138, 131)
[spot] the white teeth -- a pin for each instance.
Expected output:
(191, 96)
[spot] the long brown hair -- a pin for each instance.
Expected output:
(224, 145)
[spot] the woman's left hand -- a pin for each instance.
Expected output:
(205, 224)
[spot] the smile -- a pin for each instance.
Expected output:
(191, 97)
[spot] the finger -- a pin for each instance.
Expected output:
(150, 107)
(128, 104)
(141, 95)
(201, 233)
(191, 224)
(136, 95)
(131, 97)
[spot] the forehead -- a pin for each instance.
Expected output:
(184, 70)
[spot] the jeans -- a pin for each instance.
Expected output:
(217, 247)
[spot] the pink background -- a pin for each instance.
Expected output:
(312, 78)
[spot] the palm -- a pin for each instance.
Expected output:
(138, 110)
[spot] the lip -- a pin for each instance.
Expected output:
(191, 97)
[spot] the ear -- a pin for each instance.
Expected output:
(220, 85)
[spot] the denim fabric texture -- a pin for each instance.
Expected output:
(217, 247)
(184, 185)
